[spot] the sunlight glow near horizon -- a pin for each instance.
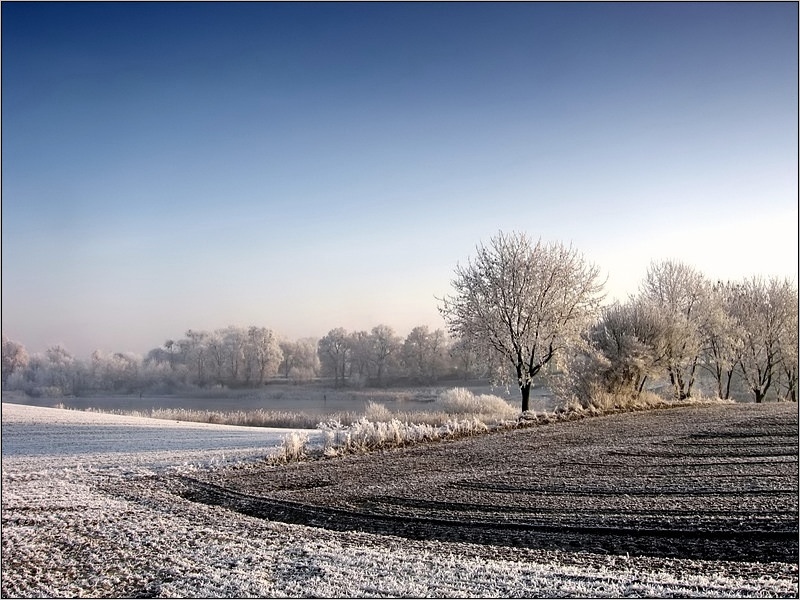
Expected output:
(310, 166)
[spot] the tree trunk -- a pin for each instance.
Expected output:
(728, 384)
(640, 388)
(526, 394)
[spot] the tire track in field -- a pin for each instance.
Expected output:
(753, 545)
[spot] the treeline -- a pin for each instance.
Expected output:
(679, 329)
(682, 328)
(243, 357)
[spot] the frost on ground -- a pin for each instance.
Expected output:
(99, 509)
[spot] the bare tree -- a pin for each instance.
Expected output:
(788, 342)
(305, 362)
(466, 360)
(721, 337)
(263, 354)
(385, 346)
(520, 304)
(765, 311)
(216, 353)
(360, 356)
(677, 291)
(425, 353)
(334, 351)
(197, 355)
(234, 341)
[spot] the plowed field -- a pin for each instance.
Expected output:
(705, 482)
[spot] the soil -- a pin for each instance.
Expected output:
(711, 482)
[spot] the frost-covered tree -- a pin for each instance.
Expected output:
(197, 356)
(385, 349)
(788, 342)
(15, 358)
(262, 354)
(627, 338)
(766, 313)
(425, 353)
(216, 351)
(676, 292)
(360, 345)
(520, 304)
(305, 364)
(60, 369)
(465, 360)
(334, 354)
(721, 337)
(234, 342)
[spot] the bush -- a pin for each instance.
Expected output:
(460, 401)
(378, 412)
(294, 447)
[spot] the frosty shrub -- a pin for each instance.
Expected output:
(294, 446)
(249, 418)
(365, 435)
(460, 401)
(377, 412)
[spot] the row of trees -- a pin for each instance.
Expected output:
(243, 357)
(535, 309)
(519, 311)
(681, 325)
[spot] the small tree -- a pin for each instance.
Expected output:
(626, 337)
(520, 304)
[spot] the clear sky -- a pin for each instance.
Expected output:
(168, 166)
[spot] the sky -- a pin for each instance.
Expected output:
(303, 166)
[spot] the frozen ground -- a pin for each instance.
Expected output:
(98, 505)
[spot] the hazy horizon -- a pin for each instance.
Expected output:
(302, 166)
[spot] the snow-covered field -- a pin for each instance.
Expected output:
(88, 510)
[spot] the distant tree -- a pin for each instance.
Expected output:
(234, 342)
(466, 361)
(288, 350)
(305, 362)
(15, 358)
(217, 356)
(125, 367)
(520, 304)
(263, 354)
(196, 344)
(385, 348)
(334, 351)
(425, 353)
(676, 292)
(360, 345)
(60, 369)
(171, 349)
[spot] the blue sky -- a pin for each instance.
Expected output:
(169, 166)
